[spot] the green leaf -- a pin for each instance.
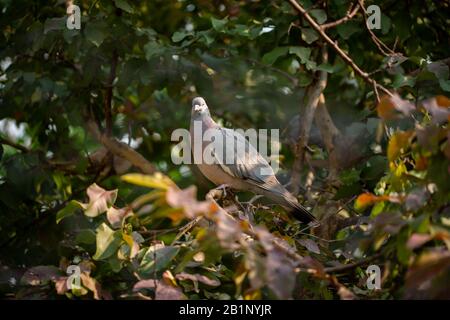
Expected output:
(53, 24)
(346, 30)
(445, 84)
(86, 236)
(219, 25)
(309, 35)
(96, 33)
(108, 242)
(122, 4)
(326, 67)
(319, 14)
(68, 210)
(304, 79)
(157, 258)
(385, 24)
(272, 56)
(302, 52)
(153, 49)
(179, 35)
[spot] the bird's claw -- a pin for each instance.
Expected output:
(223, 188)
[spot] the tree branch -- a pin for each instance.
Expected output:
(364, 75)
(350, 14)
(13, 144)
(120, 149)
(313, 95)
(329, 134)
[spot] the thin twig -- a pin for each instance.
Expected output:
(364, 75)
(351, 12)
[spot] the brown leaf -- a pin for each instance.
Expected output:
(392, 107)
(61, 285)
(416, 199)
(280, 271)
(310, 245)
(40, 275)
(99, 200)
(187, 200)
(117, 216)
(92, 284)
(439, 114)
(422, 277)
(164, 289)
(417, 240)
(198, 278)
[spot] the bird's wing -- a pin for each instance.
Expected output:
(247, 163)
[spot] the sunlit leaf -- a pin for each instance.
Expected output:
(108, 242)
(156, 181)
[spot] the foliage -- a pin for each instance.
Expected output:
(132, 70)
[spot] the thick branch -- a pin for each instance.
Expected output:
(120, 149)
(329, 134)
(313, 95)
(334, 45)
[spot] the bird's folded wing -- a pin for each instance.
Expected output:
(247, 163)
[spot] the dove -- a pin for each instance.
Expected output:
(248, 170)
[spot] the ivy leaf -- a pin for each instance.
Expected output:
(156, 181)
(179, 35)
(219, 25)
(157, 258)
(86, 236)
(326, 67)
(319, 14)
(124, 5)
(346, 30)
(302, 52)
(310, 245)
(99, 200)
(40, 275)
(68, 210)
(96, 33)
(53, 24)
(398, 144)
(153, 49)
(108, 242)
(272, 56)
(309, 35)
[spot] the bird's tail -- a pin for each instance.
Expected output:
(301, 213)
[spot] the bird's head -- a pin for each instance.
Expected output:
(199, 108)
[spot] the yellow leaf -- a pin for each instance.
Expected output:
(398, 144)
(385, 108)
(367, 199)
(156, 181)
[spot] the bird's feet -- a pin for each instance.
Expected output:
(223, 188)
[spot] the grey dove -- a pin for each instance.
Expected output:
(248, 170)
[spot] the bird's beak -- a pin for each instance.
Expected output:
(197, 108)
